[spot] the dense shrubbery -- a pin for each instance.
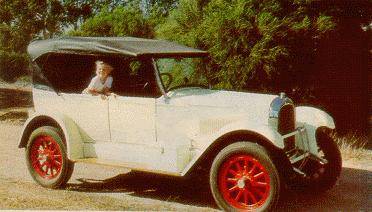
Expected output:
(252, 43)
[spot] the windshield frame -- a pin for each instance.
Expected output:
(162, 87)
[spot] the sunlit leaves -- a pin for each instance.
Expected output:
(122, 21)
(249, 41)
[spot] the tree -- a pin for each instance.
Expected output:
(283, 45)
(121, 21)
(24, 20)
(250, 41)
(20, 22)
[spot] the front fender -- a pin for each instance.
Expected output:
(314, 116)
(261, 129)
(204, 142)
(74, 142)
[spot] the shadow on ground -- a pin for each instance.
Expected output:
(164, 188)
(350, 194)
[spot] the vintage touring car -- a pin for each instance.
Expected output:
(164, 118)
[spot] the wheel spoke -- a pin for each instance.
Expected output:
(258, 192)
(232, 189)
(245, 165)
(45, 145)
(35, 163)
(258, 175)
(233, 172)
(57, 162)
(252, 169)
(260, 184)
(45, 163)
(252, 197)
(232, 180)
(237, 165)
(238, 196)
(245, 195)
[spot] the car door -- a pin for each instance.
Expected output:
(132, 119)
(90, 113)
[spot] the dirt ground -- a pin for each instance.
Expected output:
(94, 187)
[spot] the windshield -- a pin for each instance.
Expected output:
(182, 72)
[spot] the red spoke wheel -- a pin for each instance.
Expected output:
(243, 178)
(46, 158)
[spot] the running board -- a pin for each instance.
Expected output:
(131, 166)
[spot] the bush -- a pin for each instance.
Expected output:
(252, 43)
(122, 21)
(13, 65)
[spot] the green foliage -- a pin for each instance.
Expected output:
(250, 42)
(24, 20)
(12, 65)
(122, 21)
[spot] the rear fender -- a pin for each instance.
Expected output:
(71, 133)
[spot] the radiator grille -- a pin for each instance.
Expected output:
(286, 124)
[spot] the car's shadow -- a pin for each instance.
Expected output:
(191, 192)
(170, 189)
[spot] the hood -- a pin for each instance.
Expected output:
(220, 98)
(205, 111)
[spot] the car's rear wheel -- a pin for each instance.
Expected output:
(46, 158)
(243, 177)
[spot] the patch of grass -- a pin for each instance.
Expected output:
(352, 146)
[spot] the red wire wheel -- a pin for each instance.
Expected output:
(243, 178)
(244, 182)
(46, 157)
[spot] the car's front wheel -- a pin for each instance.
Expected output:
(243, 177)
(322, 176)
(46, 158)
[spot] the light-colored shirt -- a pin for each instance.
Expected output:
(97, 84)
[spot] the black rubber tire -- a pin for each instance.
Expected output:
(67, 166)
(260, 154)
(332, 170)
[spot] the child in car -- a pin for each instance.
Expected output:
(102, 82)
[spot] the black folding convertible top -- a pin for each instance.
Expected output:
(129, 46)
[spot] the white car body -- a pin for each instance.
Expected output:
(165, 134)
(162, 118)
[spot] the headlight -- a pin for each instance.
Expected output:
(277, 104)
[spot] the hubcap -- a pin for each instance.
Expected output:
(46, 157)
(244, 182)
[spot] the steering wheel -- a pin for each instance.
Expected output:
(168, 81)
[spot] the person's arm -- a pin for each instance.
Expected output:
(90, 89)
(94, 92)
(108, 85)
